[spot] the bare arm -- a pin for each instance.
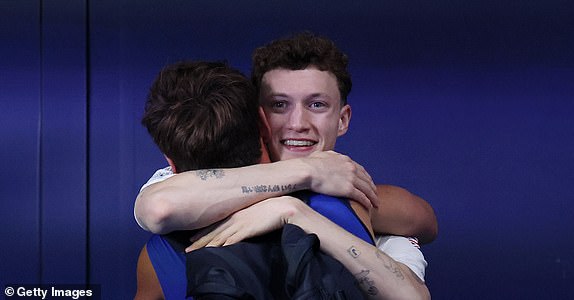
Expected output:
(402, 213)
(379, 276)
(148, 286)
(195, 199)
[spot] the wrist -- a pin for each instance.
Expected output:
(292, 210)
(300, 173)
(298, 213)
(307, 172)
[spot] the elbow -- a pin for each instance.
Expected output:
(153, 214)
(431, 227)
(413, 291)
(419, 291)
(157, 220)
(421, 294)
(433, 234)
(427, 224)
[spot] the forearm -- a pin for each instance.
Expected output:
(379, 276)
(195, 199)
(403, 213)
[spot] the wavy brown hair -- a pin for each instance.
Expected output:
(203, 115)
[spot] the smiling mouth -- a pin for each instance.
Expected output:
(298, 143)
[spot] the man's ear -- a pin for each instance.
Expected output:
(171, 164)
(264, 129)
(344, 120)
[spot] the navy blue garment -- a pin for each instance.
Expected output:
(246, 270)
(312, 274)
(259, 269)
(293, 269)
(168, 258)
(169, 266)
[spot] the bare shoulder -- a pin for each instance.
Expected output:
(148, 286)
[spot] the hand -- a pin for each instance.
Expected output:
(257, 219)
(338, 175)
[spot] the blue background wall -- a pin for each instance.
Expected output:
(469, 104)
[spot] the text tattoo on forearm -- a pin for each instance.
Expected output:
(268, 188)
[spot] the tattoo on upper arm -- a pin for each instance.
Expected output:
(262, 188)
(390, 264)
(366, 283)
(209, 173)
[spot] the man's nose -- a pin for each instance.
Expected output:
(298, 119)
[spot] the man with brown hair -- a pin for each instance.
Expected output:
(303, 104)
(204, 114)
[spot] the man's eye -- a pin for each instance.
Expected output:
(278, 104)
(318, 105)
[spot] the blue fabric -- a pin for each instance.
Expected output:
(169, 267)
(340, 212)
(169, 260)
(288, 265)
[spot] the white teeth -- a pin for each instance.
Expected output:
(297, 143)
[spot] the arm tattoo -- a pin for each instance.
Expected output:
(366, 284)
(262, 188)
(354, 252)
(390, 265)
(206, 174)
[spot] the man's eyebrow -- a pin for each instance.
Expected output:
(278, 95)
(318, 95)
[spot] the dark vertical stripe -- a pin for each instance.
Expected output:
(87, 136)
(39, 137)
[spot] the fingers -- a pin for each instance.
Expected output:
(338, 175)
(368, 188)
(197, 243)
(216, 241)
(208, 235)
(224, 234)
(364, 194)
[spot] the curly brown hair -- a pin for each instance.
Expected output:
(300, 52)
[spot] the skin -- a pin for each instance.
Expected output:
(305, 115)
(379, 276)
(148, 284)
(304, 112)
(190, 200)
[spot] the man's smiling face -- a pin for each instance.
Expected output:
(303, 109)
